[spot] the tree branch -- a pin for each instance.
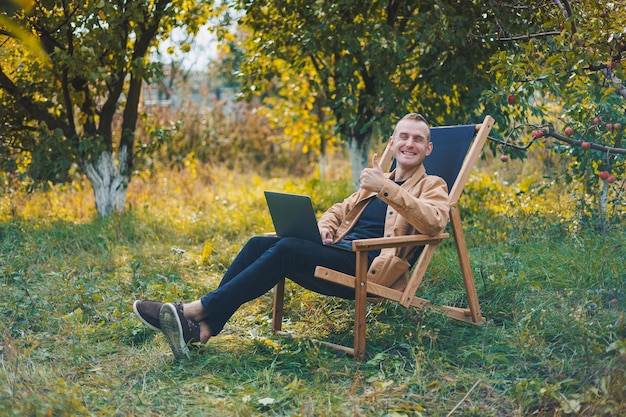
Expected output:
(566, 8)
(549, 132)
(577, 142)
(529, 36)
(130, 114)
(33, 108)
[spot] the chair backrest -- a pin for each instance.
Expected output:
(450, 147)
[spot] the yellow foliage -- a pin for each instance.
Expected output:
(486, 193)
(214, 197)
(207, 249)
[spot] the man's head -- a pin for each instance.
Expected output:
(411, 141)
(416, 117)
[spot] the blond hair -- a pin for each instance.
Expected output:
(416, 117)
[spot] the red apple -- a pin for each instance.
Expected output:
(569, 131)
(604, 174)
(511, 99)
(617, 126)
(596, 120)
(585, 145)
(609, 126)
(610, 179)
(537, 54)
(537, 133)
(504, 158)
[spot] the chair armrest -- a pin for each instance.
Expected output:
(362, 245)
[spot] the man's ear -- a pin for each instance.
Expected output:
(429, 149)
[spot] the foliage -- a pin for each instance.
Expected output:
(8, 8)
(566, 53)
(72, 112)
(554, 344)
(237, 136)
(365, 63)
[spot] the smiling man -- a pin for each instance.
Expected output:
(403, 202)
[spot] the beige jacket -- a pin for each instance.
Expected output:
(420, 205)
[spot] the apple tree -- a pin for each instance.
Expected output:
(364, 64)
(565, 55)
(75, 110)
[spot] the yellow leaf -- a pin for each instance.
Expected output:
(206, 251)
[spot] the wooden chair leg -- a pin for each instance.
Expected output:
(360, 302)
(466, 267)
(277, 312)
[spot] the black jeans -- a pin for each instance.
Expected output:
(263, 262)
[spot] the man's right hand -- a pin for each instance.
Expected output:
(326, 235)
(373, 179)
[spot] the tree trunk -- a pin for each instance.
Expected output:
(109, 181)
(359, 153)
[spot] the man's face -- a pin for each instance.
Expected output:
(410, 143)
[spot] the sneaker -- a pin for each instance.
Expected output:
(148, 313)
(179, 331)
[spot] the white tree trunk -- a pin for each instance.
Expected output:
(359, 153)
(109, 181)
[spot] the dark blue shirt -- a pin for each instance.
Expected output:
(371, 224)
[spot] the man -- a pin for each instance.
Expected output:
(405, 201)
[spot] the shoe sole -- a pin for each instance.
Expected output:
(173, 331)
(136, 311)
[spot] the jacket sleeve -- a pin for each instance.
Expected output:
(426, 208)
(336, 214)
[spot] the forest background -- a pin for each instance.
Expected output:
(543, 212)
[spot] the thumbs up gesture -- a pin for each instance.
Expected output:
(373, 179)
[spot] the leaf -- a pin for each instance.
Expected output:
(267, 401)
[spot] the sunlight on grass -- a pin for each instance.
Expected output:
(553, 293)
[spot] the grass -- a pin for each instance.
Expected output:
(554, 343)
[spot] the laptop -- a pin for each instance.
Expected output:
(293, 216)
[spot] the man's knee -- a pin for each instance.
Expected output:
(260, 243)
(291, 246)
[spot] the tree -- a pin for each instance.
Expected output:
(566, 54)
(369, 62)
(77, 109)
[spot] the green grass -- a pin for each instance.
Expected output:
(554, 343)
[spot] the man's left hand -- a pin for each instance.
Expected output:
(373, 179)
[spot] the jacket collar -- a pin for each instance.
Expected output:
(415, 178)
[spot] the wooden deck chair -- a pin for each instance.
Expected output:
(456, 150)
